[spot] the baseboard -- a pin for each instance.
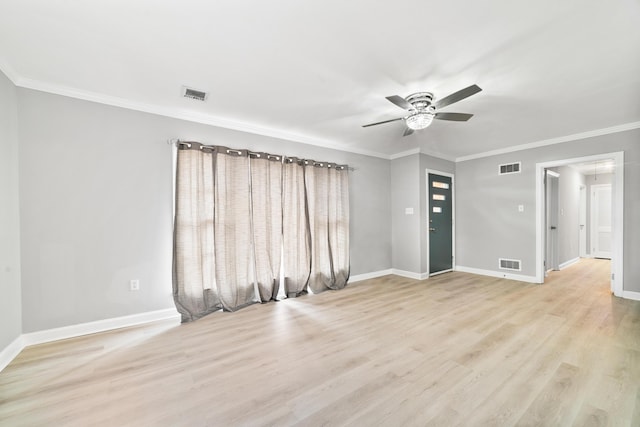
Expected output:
(80, 329)
(568, 263)
(631, 295)
(372, 275)
(10, 352)
(72, 331)
(410, 274)
(500, 274)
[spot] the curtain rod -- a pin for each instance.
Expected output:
(176, 142)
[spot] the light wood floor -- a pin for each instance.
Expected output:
(456, 349)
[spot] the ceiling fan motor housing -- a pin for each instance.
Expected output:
(421, 101)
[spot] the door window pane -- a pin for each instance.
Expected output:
(437, 184)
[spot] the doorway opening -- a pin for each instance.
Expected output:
(552, 200)
(579, 214)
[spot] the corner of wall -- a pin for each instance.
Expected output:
(405, 213)
(10, 276)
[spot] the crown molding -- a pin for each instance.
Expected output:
(175, 113)
(420, 151)
(438, 155)
(404, 154)
(9, 72)
(552, 141)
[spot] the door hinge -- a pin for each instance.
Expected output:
(613, 276)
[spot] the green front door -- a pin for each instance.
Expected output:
(440, 224)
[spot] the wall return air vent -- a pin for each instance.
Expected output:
(510, 264)
(198, 95)
(509, 168)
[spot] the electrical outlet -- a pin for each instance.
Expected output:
(134, 285)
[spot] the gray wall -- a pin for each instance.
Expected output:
(96, 206)
(405, 193)
(490, 226)
(10, 299)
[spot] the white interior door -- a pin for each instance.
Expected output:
(601, 221)
(582, 221)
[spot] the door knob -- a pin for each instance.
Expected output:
(432, 229)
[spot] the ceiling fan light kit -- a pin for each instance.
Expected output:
(422, 108)
(419, 120)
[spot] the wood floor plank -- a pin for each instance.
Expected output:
(591, 417)
(557, 402)
(635, 417)
(456, 350)
(410, 407)
(499, 404)
(610, 395)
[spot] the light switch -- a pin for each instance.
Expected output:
(520, 208)
(408, 211)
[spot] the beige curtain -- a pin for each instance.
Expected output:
(327, 193)
(317, 190)
(232, 228)
(235, 214)
(338, 214)
(266, 220)
(194, 289)
(295, 231)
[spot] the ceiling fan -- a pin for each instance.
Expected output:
(423, 107)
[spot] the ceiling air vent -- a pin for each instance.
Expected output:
(510, 264)
(509, 168)
(198, 95)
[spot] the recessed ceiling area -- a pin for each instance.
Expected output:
(315, 72)
(595, 168)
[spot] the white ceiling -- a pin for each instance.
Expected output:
(315, 71)
(595, 168)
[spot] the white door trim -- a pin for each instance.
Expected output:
(453, 218)
(617, 190)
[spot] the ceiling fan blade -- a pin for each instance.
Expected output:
(400, 102)
(456, 117)
(380, 123)
(408, 131)
(457, 96)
